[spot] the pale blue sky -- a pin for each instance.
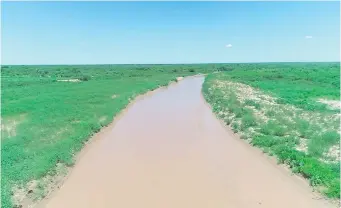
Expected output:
(169, 32)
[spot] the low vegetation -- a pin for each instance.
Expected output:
(278, 108)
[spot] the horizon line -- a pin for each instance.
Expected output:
(199, 63)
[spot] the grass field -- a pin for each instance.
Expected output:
(49, 112)
(289, 110)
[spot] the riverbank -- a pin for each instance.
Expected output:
(46, 122)
(302, 134)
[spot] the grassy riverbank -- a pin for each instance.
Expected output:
(291, 112)
(49, 112)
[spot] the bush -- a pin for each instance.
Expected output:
(265, 141)
(248, 120)
(302, 127)
(85, 78)
(318, 144)
(252, 103)
(273, 128)
(270, 113)
(224, 68)
(227, 121)
(235, 127)
(243, 136)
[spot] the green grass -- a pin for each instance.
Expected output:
(47, 122)
(296, 84)
(276, 107)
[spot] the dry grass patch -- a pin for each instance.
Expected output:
(9, 125)
(69, 80)
(333, 104)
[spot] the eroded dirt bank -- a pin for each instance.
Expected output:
(169, 151)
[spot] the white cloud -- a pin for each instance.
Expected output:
(308, 36)
(228, 46)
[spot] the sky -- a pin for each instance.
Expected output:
(169, 32)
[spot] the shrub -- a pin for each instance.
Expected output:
(248, 120)
(273, 128)
(243, 136)
(235, 127)
(302, 127)
(318, 144)
(85, 78)
(227, 121)
(270, 113)
(252, 103)
(265, 141)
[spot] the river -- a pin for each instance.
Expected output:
(168, 150)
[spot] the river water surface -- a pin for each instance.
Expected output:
(168, 150)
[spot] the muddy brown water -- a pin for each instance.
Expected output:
(168, 150)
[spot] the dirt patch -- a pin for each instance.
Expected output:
(9, 125)
(102, 119)
(28, 195)
(245, 92)
(179, 79)
(303, 145)
(333, 153)
(332, 104)
(69, 80)
(19, 196)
